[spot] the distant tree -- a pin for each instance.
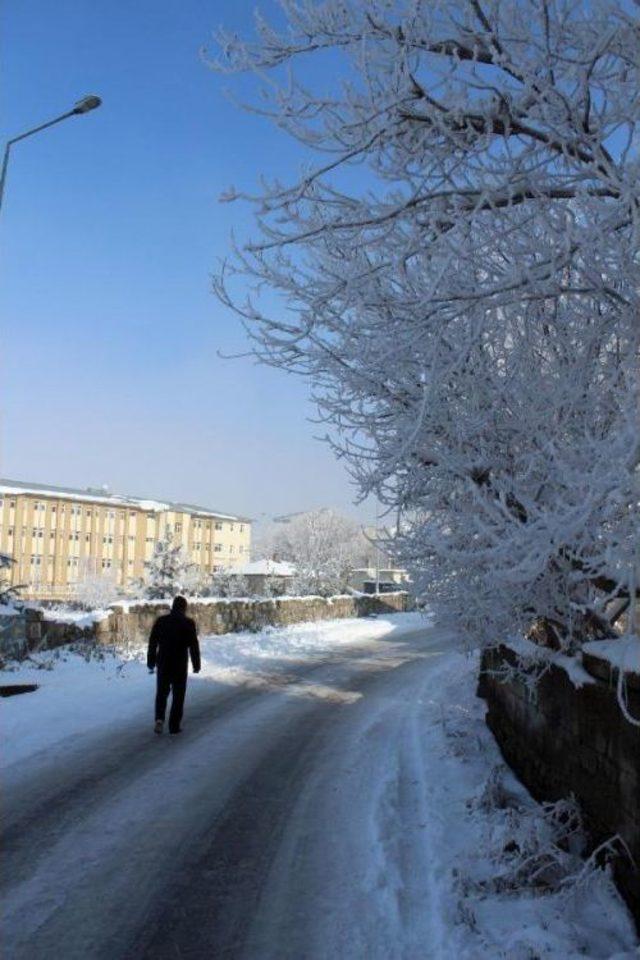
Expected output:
(169, 571)
(323, 546)
(458, 276)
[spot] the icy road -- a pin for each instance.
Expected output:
(304, 813)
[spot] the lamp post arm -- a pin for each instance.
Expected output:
(22, 136)
(43, 126)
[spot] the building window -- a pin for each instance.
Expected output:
(218, 525)
(12, 504)
(132, 513)
(230, 526)
(242, 528)
(88, 538)
(217, 547)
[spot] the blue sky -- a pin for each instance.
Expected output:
(109, 232)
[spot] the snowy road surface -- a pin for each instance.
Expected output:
(304, 814)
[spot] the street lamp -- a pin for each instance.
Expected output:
(82, 106)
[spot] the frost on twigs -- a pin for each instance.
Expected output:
(458, 263)
(538, 848)
(529, 847)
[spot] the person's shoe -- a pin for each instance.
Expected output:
(158, 727)
(173, 732)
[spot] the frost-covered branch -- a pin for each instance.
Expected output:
(459, 263)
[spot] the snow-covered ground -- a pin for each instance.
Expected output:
(400, 833)
(78, 695)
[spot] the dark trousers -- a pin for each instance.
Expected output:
(178, 687)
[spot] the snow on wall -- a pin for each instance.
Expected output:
(132, 621)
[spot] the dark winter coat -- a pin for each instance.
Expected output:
(173, 638)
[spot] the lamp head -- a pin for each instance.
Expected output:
(86, 104)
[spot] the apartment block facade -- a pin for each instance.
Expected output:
(57, 537)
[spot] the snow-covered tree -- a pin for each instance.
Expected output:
(169, 571)
(227, 583)
(460, 268)
(8, 593)
(323, 546)
(95, 591)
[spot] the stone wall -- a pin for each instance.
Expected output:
(569, 739)
(132, 622)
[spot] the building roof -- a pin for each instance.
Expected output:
(266, 568)
(102, 495)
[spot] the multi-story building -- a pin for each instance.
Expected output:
(58, 536)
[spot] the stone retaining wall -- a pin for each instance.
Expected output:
(132, 622)
(573, 740)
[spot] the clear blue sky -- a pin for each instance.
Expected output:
(109, 232)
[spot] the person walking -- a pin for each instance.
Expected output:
(172, 641)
